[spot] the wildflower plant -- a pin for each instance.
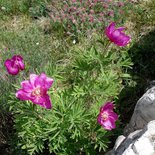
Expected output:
(93, 76)
(85, 76)
(84, 79)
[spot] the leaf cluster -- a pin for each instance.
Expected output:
(93, 75)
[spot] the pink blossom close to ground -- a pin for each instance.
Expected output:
(107, 116)
(14, 65)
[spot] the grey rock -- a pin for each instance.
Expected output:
(144, 112)
(139, 142)
(139, 134)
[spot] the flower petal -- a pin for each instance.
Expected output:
(21, 65)
(109, 124)
(99, 119)
(17, 57)
(11, 67)
(107, 106)
(113, 115)
(109, 29)
(40, 80)
(26, 85)
(121, 28)
(48, 82)
(43, 101)
(44, 81)
(114, 36)
(122, 40)
(22, 95)
(33, 78)
(47, 104)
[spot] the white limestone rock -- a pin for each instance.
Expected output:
(140, 142)
(139, 134)
(144, 112)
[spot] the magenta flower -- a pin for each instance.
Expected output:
(14, 65)
(35, 90)
(107, 116)
(116, 35)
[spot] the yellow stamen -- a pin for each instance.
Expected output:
(104, 116)
(36, 92)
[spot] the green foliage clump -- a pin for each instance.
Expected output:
(13, 7)
(93, 76)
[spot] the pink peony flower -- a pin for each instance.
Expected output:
(14, 65)
(107, 116)
(116, 35)
(35, 90)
